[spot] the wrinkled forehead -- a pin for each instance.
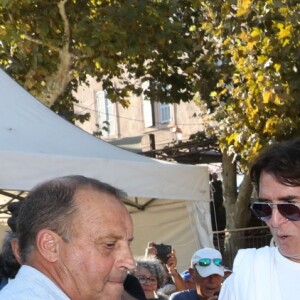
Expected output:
(95, 206)
(100, 215)
(271, 188)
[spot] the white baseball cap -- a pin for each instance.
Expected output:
(208, 261)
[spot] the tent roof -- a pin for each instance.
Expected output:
(37, 145)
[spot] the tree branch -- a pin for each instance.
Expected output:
(62, 12)
(56, 83)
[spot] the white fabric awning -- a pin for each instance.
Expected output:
(37, 145)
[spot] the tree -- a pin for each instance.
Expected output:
(50, 47)
(254, 98)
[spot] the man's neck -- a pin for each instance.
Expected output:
(295, 258)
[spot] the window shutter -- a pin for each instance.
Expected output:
(148, 113)
(165, 112)
(106, 113)
(111, 116)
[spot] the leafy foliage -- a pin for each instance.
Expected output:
(239, 58)
(52, 46)
(254, 48)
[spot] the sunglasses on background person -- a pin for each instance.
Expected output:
(263, 210)
(205, 262)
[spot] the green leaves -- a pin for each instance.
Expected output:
(241, 57)
(258, 47)
(49, 46)
(243, 7)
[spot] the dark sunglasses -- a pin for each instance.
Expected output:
(263, 210)
(205, 262)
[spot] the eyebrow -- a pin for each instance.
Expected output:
(284, 199)
(119, 238)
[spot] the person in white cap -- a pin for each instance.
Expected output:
(207, 272)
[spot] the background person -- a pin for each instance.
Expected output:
(174, 281)
(217, 210)
(207, 272)
(9, 265)
(272, 273)
(151, 275)
(74, 238)
(188, 280)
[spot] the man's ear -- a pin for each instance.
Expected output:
(16, 250)
(47, 243)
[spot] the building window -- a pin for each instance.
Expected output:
(165, 113)
(148, 108)
(106, 114)
(149, 116)
(155, 113)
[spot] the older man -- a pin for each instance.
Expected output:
(207, 272)
(272, 273)
(74, 242)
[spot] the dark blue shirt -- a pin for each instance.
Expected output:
(185, 295)
(3, 282)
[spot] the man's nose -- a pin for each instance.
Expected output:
(276, 218)
(128, 260)
(148, 282)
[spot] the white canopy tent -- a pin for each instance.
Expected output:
(37, 145)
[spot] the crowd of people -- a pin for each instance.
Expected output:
(70, 239)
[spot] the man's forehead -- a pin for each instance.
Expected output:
(87, 193)
(97, 209)
(93, 204)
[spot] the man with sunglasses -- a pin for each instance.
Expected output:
(272, 272)
(207, 272)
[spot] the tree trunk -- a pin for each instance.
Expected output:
(236, 205)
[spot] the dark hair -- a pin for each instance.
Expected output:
(281, 160)
(9, 266)
(51, 205)
(13, 208)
